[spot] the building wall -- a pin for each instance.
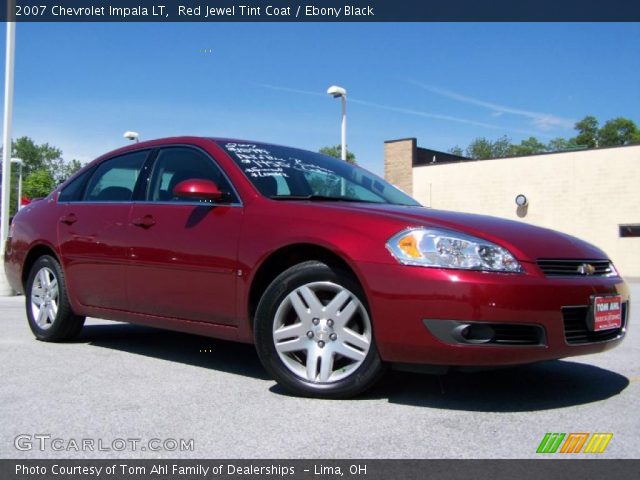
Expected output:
(402, 156)
(586, 193)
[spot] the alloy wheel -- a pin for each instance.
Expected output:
(44, 298)
(322, 332)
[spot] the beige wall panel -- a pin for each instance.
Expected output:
(586, 194)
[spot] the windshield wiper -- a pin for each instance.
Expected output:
(319, 198)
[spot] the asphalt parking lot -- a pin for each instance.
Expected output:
(123, 383)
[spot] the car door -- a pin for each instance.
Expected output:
(92, 231)
(183, 253)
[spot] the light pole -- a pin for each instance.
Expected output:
(5, 289)
(339, 92)
(20, 163)
(6, 143)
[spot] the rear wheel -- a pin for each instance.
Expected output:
(48, 310)
(314, 333)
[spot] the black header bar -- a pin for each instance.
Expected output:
(123, 469)
(321, 11)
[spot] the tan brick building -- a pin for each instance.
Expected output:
(592, 194)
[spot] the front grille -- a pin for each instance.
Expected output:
(512, 334)
(575, 268)
(576, 330)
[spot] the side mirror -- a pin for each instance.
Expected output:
(197, 189)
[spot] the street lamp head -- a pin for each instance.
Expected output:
(336, 92)
(133, 136)
(19, 161)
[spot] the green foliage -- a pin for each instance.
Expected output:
(457, 150)
(618, 131)
(587, 132)
(45, 156)
(501, 147)
(43, 168)
(38, 183)
(336, 152)
(480, 148)
(35, 157)
(67, 169)
(615, 132)
(559, 144)
(530, 146)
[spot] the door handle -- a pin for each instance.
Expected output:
(144, 222)
(69, 219)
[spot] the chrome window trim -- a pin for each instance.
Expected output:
(138, 202)
(182, 203)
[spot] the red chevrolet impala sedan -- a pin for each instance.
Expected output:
(332, 272)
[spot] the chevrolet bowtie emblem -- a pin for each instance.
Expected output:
(586, 269)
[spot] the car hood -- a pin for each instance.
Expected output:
(525, 241)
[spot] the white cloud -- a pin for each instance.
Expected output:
(409, 111)
(542, 121)
(438, 116)
(290, 90)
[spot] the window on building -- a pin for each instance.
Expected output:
(630, 230)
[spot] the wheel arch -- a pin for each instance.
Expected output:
(35, 252)
(286, 257)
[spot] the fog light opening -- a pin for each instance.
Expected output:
(473, 333)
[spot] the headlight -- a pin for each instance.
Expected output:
(431, 247)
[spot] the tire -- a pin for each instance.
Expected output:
(47, 302)
(314, 334)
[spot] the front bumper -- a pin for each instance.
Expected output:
(402, 298)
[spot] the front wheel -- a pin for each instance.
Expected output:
(314, 334)
(48, 311)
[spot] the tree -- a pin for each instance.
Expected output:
(67, 169)
(618, 131)
(39, 183)
(615, 132)
(45, 162)
(559, 144)
(501, 147)
(587, 132)
(480, 148)
(530, 146)
(35, 157)
(45, 156)
(457, 150)
(336, 152)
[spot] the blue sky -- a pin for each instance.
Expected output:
(80, 86)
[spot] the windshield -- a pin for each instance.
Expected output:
(285, 173)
